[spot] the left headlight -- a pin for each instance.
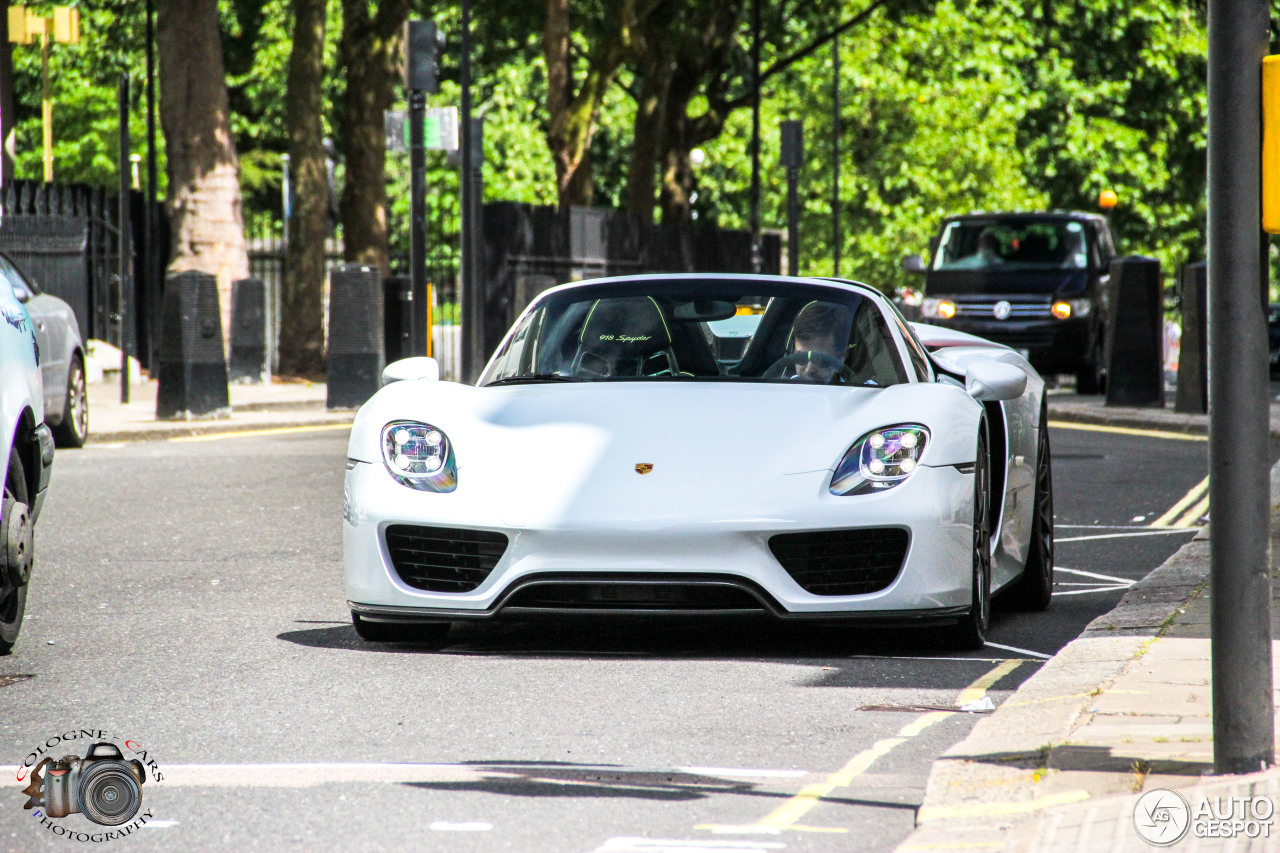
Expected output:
(419, 456)
(880, 460)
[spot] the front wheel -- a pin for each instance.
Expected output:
(16, 540)
(971, 632)
(1034, 590)
(420, 633)
(73, 430)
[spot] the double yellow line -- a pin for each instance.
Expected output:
(1189, 510)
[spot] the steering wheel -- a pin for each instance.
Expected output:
(822, 359)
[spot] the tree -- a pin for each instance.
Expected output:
(302, 321)
(573, 104)
(204, 189)
(371, 48)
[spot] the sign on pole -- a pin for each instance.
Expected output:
(440, 129)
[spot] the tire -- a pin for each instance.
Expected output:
(1034, 589)
(13, 599)
(971, 632)
(420, 633)
(1092, 379)
(73, 429)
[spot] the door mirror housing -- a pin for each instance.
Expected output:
(993, 381)
(418, 367)
(912, 263)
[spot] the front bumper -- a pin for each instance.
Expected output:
(691, 547)
(1052, 346)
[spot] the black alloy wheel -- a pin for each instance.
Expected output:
(1034, 589)
(73, 429)
(971, 631)
(13, 596)
(419, 633)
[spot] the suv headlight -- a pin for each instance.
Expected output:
(880, 460)
(937, 308)
(419, 456)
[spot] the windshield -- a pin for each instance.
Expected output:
(1012, 245)
(701, 330)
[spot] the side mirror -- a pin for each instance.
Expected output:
(992, 381)
(912, 263)
(419, 367)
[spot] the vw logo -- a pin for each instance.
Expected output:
(1002, 310)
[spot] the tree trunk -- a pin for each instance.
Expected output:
(646, 143)
(371, 49)
(203, 171)
(302, 317)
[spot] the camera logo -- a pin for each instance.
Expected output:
(1161, 817)
(103, 786)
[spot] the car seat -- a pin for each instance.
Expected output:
(626, 337)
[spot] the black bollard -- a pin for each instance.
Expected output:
(192, 373)
(397, 317)
(1193, 351)
(248, 365)
(1135, 334)
(356, 354)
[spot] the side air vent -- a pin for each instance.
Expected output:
(842, 562)
(443, 559)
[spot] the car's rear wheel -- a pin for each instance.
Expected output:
(1034, 590)
(971, 631)
(73, 430)
(431, 633)
(16, 540)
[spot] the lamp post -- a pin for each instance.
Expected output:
(63, 26)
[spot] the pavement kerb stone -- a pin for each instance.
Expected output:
(984, 792)
(1070, 408)
(167, 431)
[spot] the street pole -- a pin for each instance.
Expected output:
(793, 158)
(471, 301)
(151, 252)
(756, 260)
(417, 220)
(1240, 581)
(126, 250)
(46, 108)
(286, 197)
(835, 156)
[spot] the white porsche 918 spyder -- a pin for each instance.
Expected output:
(704, 444)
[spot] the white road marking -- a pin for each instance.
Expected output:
(1091, 591)
(924, 657)
(1144, 532)
(473, 826)
(1041, 655)
(663, 845)
(1095, 575)
(743, 773)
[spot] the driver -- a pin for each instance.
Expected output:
(821, 329)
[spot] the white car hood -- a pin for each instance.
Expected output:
(728, 436)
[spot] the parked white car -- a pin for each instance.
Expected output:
(700, 445)
(26, 446)
(66, 404)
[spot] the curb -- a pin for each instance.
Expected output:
(1072, 409)
(984, 788)
(168, 431)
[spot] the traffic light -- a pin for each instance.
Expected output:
(423, 46)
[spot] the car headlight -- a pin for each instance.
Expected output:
(419, 456)
(934, 307)
(1064, 309)
(880, 460)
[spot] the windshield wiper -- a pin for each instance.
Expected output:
(534, 377)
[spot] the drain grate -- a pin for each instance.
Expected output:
(6, 680)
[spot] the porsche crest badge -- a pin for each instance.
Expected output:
(644, 467)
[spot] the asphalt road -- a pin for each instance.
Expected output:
(188, 597)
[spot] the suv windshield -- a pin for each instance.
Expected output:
(701, 330)
(997, 244)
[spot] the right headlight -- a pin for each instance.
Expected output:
(419, 456)
(937, 308)
(880, 460)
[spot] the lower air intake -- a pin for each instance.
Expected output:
(443, 559)
(842, 562)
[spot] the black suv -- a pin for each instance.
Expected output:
(1036, 282)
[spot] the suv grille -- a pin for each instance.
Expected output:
(1020, 307)
(443, 559)
(842, 562)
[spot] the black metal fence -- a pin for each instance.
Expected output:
(66, 237)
